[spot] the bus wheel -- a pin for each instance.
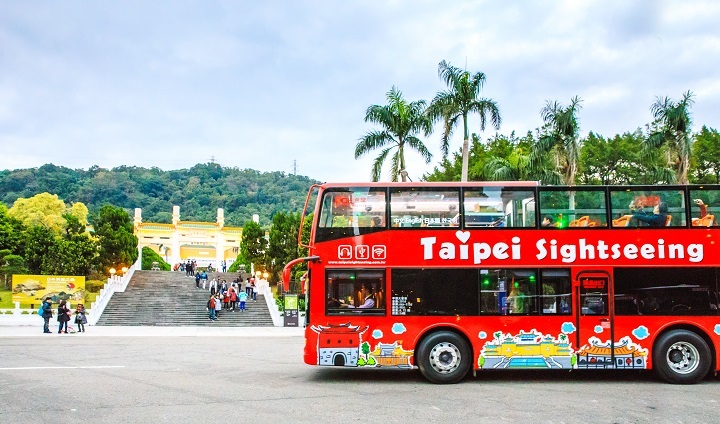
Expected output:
(444, 358)
(681, 357)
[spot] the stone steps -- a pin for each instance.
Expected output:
(158, 298)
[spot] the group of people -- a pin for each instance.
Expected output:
(64, 315)
(190, 267)
(230, 297)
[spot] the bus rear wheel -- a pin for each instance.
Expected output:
(681, 357)
(444, 357)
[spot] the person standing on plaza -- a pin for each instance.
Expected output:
(243, 298)
(63, 316)
(47, 314)
(224, 266)
(80, 318)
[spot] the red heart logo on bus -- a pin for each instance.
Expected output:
(463, 236)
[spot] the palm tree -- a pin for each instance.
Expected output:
(672, 127)
(518, 166)
(401, 121)
(561, 138)
(460, 100)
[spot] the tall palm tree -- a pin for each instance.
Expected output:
(459, 101)
(518, 166)
(401, 121)
(561, 138)
(672, 127)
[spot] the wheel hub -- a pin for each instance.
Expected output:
(445, 357)
(683, 358)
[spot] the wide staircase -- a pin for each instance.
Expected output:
(171, 299)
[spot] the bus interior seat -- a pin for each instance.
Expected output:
(583, 221)
(623, 221)
(668, 220)
(706, 221)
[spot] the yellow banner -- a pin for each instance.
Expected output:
(32, 289)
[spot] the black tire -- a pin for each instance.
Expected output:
(681, 357)
(444, 358)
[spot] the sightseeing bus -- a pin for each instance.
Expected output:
(452, 277)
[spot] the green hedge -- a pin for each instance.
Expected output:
(149, 256)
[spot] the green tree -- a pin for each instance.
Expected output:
(706, 156)
(611, 160)
(458, 102)
(670, 132)
(283, 245)
(149, 256)
(560, 138)
(11, 265)
(252, 245)
(12, 233)
(73, 253)
(401, 122)
(42, 209)
(38, 243)
(118, 244)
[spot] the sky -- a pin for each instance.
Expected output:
(284, 85)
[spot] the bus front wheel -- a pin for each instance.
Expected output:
(444, 357)
(681, 357)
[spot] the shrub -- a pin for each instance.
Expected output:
(149, 256)
(94, 286)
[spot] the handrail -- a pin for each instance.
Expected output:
(290, 265)
(302, 217)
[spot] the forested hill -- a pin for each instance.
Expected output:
(199, 191)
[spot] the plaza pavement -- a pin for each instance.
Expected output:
(155, 331)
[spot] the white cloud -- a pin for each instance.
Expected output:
(261, 85)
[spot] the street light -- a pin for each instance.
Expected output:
(124, 270)
(112, 272)
(265, 275)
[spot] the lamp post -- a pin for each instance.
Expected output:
(112, 273)
(124, 270)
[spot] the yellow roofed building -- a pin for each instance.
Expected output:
(205, 242)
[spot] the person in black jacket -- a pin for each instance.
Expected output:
(63, 316)
(47, 314)
(657, 219)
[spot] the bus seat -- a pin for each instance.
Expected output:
(580, 222)
(668, 219)
(623, 221)
(706, 221)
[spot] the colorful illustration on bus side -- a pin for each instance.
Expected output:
(339, 345)
(342, 345)
(717, 329)
(385, 355)
(599, 355)
(526, 350)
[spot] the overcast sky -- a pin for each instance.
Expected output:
(264, 85)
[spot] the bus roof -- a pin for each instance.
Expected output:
(444, 184)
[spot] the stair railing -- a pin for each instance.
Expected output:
(115, 283)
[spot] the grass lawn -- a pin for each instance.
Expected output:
(6, 299)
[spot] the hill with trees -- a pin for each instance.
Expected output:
(199, 191)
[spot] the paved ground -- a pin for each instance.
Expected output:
(159, 331)
(260, 378)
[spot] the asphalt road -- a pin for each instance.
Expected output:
(263, 380)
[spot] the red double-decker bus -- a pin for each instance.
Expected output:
(453, 277)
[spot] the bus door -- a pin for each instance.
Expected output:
(595, 338)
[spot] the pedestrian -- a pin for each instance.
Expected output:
(213, 286)
(243, 298)
(47, 313)
(204, 282)
(197, 280)
(224, 266)
(211, 308)
(253, 291)
(248, 288)
(218, 305)
(63, 316)
(80, 318)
